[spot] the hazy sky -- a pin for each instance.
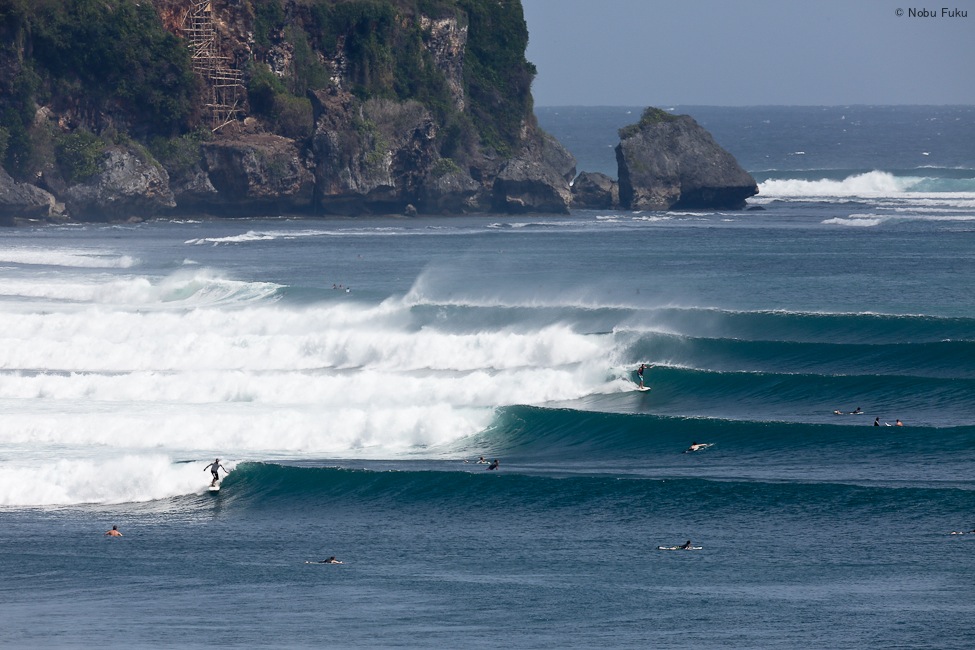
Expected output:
(749, 52)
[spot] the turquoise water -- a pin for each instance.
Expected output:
(132, 355)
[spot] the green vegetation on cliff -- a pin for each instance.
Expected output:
(497, 74)
(109, 68)
(103, 64)
(651, 115)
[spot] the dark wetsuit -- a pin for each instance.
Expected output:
(214, 467)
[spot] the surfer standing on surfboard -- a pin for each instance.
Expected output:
(640, 370)
(214, 468)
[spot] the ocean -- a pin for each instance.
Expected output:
(349, 373)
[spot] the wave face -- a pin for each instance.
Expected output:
(444, 489)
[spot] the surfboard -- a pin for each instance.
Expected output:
(700, 447)
(679, 548)
(643, 389)
(214, 488)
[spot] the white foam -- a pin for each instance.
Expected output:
(272, 235)
(77, 258)
(124, 478)
(870, 184)
(259, 380)
(192, 286)
(858, 221)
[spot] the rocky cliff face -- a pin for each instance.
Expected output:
(595, 191)
(320, 123)
(125, 186)
(671, 162)
(24, 202)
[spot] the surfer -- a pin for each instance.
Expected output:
(639, 372)
(214, 468)
(481, 461)
(494, 464)
(876, 422)
(696, 446)
(685, 546)
(856, 411)
(114, 532)
(331, 560)
(898, 423)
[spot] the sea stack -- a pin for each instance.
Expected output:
(670, 162)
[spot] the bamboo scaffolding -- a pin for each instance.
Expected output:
(223, 82)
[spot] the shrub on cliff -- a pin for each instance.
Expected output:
(269, 98)
(78, 155)
(114, 57)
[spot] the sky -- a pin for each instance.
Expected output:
(750, 52)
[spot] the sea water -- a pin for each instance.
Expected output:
(350, 372)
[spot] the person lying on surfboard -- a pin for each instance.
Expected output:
(856, 411)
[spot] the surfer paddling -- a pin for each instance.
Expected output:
(214, 468)
(856, 411)
(113, 533)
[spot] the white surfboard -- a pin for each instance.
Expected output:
(214, 488)
(643, 389)
(679, 548)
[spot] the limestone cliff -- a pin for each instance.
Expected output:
(121, 108)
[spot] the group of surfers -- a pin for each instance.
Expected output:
(876, 421)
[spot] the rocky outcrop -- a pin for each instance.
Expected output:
(594, 191)
(251, 174)
(126, 186)
(537, 180)
(670, 162)
(24, 201)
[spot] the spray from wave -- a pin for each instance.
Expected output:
(873, 184)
